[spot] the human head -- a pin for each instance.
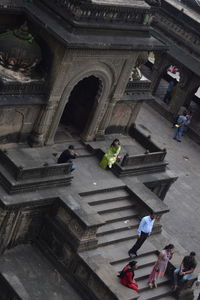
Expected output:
(185, 113)
(133, 264)
(169, 248)
(71, 147)
(192, 254)
(152, 215)
(116, 142)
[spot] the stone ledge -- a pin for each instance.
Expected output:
(147, 198)
(104, 274)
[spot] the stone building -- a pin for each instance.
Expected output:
(69, 73)
(176, 23)
(79, 49)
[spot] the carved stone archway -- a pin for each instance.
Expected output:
(103, 73)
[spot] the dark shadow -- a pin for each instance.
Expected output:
(80, 104)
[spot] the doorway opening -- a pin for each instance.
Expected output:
(80, 105)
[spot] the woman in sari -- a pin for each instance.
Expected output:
(111, 154)
(161, 265)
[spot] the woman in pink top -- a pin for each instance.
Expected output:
(161, 265)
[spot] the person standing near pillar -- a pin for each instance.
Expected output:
(180, 127)
(144, 230)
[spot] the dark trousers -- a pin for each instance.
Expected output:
(139, 242)
(198, 297)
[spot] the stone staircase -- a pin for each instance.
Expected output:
(120, 212)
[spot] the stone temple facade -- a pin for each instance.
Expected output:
(69, 74)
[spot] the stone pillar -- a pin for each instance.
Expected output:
(135, 111)
(120, 87)
(160, 64)
(41, 126)
(44, 120)
(183, 91)
(106, 119)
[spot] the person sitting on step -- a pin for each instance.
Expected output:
(127, 275)
(184, 272)
(67, 156)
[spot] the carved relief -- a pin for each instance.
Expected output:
(76, 228)
(63, 215)
(96, 286)
(82, 273)
(177, 32)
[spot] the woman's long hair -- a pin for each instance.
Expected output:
(170, 246)
(115, 140)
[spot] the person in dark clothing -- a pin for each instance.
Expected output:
(168, 94)
(67, 156)
(127, 275)
(184, 272)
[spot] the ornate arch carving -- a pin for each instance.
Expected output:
(106, 77)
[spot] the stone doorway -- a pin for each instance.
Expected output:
(80, 105)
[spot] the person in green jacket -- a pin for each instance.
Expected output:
(111, 154)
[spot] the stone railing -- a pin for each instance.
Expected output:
(141, 85)
(151, 161)
(146, 158)
(20, 179)
(11, 288)
(11, 3)
(18, 88)
(144, 140)
(80, 11)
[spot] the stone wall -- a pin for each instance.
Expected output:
(17, 122)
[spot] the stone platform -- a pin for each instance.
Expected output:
(86, 228)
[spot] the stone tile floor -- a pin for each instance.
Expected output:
(183, 198)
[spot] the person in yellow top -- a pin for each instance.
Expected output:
(111, 154)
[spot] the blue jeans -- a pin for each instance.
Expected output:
(73, 167)
(183, 278)
(178, 133)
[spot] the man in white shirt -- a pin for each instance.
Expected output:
(144, 230)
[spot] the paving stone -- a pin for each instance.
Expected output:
(183, 197)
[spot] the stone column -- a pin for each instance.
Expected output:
(120, 87)
(183, 91)
(41, 126)
(106, 119)
(135, 111)
(160, 64)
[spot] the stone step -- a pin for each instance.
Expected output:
(143, 283)
(144, 260)
(106, 196)
(116, 237)
(159, 293)
(118, 226)
(143, 272)
(124, 214)
(118, 205)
